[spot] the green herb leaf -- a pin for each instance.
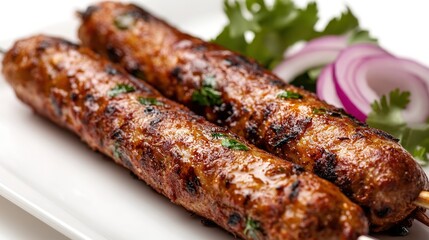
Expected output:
(416, 141)
(124, 21)
(289, 95)
(386, 115)
(233, 11)
(225, 38)
(218, 135)
(361, 36)
(320, 110)
(273, 29)
(230, 142)
(120, 88)
(150, 101)
(234, 144)
(342, 24)
(117, 151)
(420, 153)
(207, 95)
(253, 229)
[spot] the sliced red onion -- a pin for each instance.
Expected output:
(316, 53)
(344, 70)
(361, 74)
(327, 42)
(325, 87)
(292, 67)
(379, 75)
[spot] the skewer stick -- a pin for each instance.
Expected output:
(423, 200)
(422, 217)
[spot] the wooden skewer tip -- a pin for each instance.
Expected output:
(423, 200)
(422, 217)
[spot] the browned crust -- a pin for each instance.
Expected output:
(367, 164)
(173, 150)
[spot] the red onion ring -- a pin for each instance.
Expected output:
(344, 70)
(360, 75)
(315, 53)
(292, 67)
(379, 75)
(327, 42)
(325, 87)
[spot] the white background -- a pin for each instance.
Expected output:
(401, 27)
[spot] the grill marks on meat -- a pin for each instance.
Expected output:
(324, 167)
(367, 161)
(174, 151)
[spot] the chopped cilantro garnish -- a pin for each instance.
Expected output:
(230, 142)
(289, 95)
(319, 110)
(120, 88)
(207, 95)
(253, 229)
(386, 115)
(149, 101)
(218, 135)
(234, 144)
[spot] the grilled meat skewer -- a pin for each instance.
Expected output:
(367, 164)
(194, 163)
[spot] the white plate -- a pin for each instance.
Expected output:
(51, 174)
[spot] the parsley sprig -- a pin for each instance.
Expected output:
(387, 115)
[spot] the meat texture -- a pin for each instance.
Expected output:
(367, 164)
(194, 163)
